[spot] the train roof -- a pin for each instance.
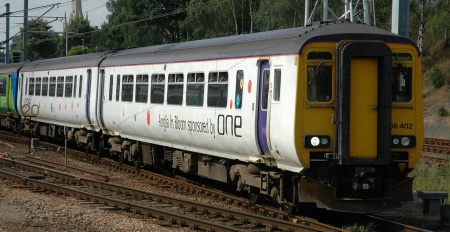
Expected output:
(279, 42)
(10, 68)
(79, 61)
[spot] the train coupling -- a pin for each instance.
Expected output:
(364, 180)
(324, 196)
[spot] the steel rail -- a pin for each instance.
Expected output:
(193, 223)
(436, 145)
(48, 163)
(247, 220)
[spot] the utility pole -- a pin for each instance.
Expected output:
(400, 17)
(7, 35)
(25, 32)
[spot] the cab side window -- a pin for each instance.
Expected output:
(319, 77)
(401, 84)
(401, 77)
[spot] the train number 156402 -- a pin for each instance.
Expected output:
(407, 126)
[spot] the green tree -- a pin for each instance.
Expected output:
(141, 23)
(209, 19)
(80, 32)
(41, 43)
(78, 50)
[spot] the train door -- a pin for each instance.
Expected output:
(364, 102)
(88, 95)
(264, 73)
(20, 92)
(100, 99)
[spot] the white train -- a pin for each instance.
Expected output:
(268, 112)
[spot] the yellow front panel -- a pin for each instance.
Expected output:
(363, 103)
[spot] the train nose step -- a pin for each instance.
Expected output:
(432, 200)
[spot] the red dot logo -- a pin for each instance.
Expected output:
(249, 87)
(148, 117)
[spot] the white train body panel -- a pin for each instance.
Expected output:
(69, 111)
(72, 106)
(225, 132)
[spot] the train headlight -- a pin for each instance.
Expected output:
(403, 141)
(313, 141)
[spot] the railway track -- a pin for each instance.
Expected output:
(441, 146)
(178, 212)
(182, 185)
(436, 145)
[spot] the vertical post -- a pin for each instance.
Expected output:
(7, 35)
(25, 31)
(65, 146)
(325, 11)
(65, 30)
(366, 8)
(306, 13)
(400, 17)
(347, 8)
(30, 139)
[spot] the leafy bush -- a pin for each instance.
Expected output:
(437, 79)
(442, 112)
(430, 176)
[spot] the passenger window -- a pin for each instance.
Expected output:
(52, 87)
(45, 86)
(127, 88)
(277, 85)
(217, 89)
(68, 86)
(319, 83)
(157, 88)
(31, 87)
(2, 86)
(175, 89)
(239, 89)
(81, 86)
(118, 88)
(142, 88)
(37, 91)
(401, 84)
(111, 79)
(265, 90)
(60, 87)
(195, 89)
(75, 87)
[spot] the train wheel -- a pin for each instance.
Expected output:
(101, 147)
(86, 148)
(288, 208)
(254, 195)
(120, 158)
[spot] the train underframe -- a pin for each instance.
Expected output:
(327, 184)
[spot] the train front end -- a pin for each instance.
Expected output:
(361, 127)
